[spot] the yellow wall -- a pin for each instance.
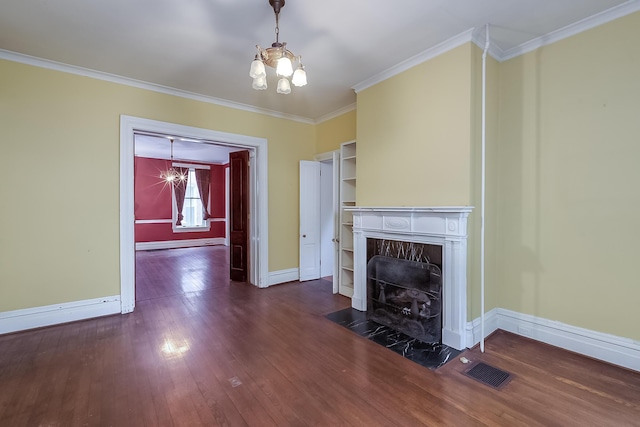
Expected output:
(331, 133)
(59, 241)
(562, 166)
(413, 133)
(569, 161)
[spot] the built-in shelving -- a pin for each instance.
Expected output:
(347, 199)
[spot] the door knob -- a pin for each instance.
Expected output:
(304, 235)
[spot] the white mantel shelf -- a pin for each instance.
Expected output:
(443, 209)
(445, 226)
(428, 221)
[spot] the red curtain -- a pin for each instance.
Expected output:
(203, 180)
(180, 189)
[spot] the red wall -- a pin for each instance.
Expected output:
(153, 202)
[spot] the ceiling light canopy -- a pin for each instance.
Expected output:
(279, 57)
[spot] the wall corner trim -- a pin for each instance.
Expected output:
(37, 317)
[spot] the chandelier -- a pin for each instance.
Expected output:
(171, 175)
(279, 57)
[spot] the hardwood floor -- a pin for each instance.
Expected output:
(200, 350)
(173, 272)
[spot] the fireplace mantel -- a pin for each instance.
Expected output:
(440, 225)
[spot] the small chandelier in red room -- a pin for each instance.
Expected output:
(279, 57)
(171, 175)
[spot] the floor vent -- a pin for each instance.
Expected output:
(488, 375)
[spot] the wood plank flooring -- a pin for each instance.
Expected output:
(201, 350)
(173, 272)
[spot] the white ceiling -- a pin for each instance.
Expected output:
(205, 47)
(159, 147)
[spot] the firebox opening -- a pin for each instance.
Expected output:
(404, 287)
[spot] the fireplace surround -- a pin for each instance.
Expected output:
(445, 226)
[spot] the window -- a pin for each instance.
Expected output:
(192, 209)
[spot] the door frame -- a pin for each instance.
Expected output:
(258, 222)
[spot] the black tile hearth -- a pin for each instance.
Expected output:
(430, 356)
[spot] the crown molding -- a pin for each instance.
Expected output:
(475, 35)
(437, 50)
(114, 78)
(479, 37)
(336, 113)
(585, 24)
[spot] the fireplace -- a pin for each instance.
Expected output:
(413, 286)
(404, 288)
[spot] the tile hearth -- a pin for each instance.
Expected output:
(430, 356)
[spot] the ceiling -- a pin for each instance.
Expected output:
(205, 47)
(186, 149)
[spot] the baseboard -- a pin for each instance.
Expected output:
(620, 351)
(357, 303)
(174, 244)
(283, 276)
(474, 328)
(37, 317)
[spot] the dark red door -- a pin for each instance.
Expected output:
(239, 212)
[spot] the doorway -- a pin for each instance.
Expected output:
(258, 250)
(319, 213)
(180, 250)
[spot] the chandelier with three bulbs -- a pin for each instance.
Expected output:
(279, 57)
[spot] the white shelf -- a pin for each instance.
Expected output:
(347, 200)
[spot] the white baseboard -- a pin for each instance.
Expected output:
(283, 276)
(174, 244)
(36, 317)
(609, 348)
(474, 327)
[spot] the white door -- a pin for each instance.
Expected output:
(327, 220)
(309, 220)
